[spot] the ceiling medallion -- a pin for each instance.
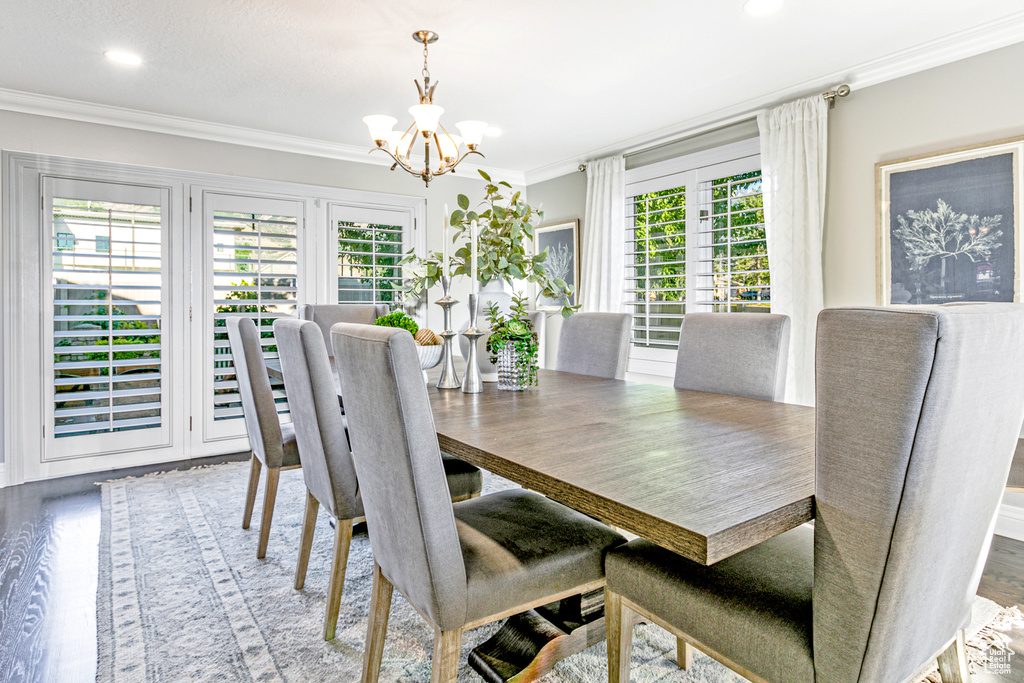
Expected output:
(447, 149)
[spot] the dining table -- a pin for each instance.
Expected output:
(704, 475)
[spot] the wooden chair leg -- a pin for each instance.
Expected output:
(377, 625)
(342, 541)
(618, 624)
(269, 496)
(306, 544)
(447, 646)
(953, 666)
(684, 654)
(250, 496)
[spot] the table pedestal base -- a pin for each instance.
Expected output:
(530, 644)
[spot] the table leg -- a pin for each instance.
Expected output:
(529, 645)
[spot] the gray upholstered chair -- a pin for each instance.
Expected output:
(324, 450)
(918, 414)
(740, 354)
(464, 565)
(272, 443)
(594, 344)
(325, 315)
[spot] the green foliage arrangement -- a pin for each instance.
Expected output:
(515, 330)
(506, 235)
(398, 319)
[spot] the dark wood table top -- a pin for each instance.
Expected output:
(705, 475)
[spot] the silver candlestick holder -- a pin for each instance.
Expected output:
(449, 377)
(473, 383)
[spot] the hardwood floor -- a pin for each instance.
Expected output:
(49, 545)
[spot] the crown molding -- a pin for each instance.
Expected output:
(945, 50)
(89, 112)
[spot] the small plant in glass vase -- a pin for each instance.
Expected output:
(513, 346)
(505, 240)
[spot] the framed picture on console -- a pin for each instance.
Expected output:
(563, 262)
(949, 225)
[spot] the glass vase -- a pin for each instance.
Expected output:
(511, 375)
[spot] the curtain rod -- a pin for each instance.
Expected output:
(839, 91)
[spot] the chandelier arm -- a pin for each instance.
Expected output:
(398, 162)
(412, 139)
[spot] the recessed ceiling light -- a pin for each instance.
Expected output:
(123, 57)
(760, 8)
(492, 131)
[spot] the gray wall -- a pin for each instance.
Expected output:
(563, 198)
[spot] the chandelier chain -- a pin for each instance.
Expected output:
(425, 72)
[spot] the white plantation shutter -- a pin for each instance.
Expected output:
(732, 254)
(107, 315)
(254, 272)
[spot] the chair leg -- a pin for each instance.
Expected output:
(269, 496)
(250, 496)
(377, 625)
(447, 646)
(953, 666)
(306, 544)
(684, 654)
(618, 624)
(342, 541)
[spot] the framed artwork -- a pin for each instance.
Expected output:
(563, 245)
(949, 225)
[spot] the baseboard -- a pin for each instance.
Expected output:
(1010, 522)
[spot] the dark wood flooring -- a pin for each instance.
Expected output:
(49, 546)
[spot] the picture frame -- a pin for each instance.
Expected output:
(948, 225)
(563, 262)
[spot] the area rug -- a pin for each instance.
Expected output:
(182, 596)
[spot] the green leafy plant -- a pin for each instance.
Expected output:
(506, 237)
(516, 331)
(398, 319)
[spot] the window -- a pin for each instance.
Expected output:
(695, 241)
(107, 297)
(371, 243)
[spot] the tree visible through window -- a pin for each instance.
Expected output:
(695, 247)
(368, 262)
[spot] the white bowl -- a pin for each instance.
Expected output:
(429, 355)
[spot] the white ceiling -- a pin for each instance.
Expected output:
(562, 79)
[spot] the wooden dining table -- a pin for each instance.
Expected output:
(704, 475)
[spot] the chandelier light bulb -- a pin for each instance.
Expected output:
(449, 145)
(380, 126)
(472, 132)
(427, 117)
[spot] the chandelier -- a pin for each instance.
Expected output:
(438, 143)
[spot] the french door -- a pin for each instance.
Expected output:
(251, 268)
(106, 287)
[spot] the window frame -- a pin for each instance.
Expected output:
(691, 171)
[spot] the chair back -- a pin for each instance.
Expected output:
(918, 414)
(402, 480)
(319, 428)
(740, 354)
(325, 315)
(539, 320)
(594, 344)
(258, 406)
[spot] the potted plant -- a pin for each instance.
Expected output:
(513, 346)
(505, 239)
(428, 344)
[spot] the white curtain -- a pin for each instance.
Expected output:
(794, 141)
(604, 236)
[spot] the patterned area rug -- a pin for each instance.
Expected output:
(182, 596)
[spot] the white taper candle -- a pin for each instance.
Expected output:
(444, 244)
(475, 233)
